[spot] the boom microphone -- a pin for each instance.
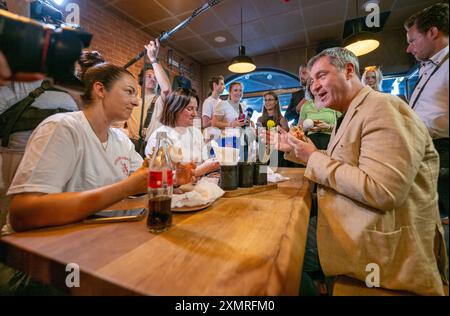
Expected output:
(166, 35)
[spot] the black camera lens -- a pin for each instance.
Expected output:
(30, 46)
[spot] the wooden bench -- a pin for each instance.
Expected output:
(346, 286)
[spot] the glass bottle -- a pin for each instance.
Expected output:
(160, 186)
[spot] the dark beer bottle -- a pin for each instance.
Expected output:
(160, 186)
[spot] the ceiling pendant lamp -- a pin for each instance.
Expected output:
(360, 42)
(241, 63)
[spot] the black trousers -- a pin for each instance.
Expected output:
(441, 146)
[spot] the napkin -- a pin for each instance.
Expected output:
(275, 177)
(204, 192)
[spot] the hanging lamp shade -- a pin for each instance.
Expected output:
(241, 63)
(358, 36)
(361, 43)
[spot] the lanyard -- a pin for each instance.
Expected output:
(423, 87)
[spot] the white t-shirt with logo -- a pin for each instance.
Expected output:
(65, 155)
(209, 106)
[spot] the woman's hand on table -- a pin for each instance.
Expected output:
(207, 166)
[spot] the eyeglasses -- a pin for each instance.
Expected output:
(267, 100)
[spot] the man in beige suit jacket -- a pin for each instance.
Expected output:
(377, 182)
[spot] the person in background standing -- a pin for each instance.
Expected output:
(427, 36)
(372, 77)
(324, 119)
(153, 105)
(217, 85)
(271, 111)
(298, 98)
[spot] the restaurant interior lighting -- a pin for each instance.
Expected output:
(241, 63)
(360, 42)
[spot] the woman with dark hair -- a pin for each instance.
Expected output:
(87, 60)
(272, 111)
(75, 164)
(271, 118)
(179, 112)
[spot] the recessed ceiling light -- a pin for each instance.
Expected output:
(220, 39)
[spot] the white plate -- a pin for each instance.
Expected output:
(191, 208)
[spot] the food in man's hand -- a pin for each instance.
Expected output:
(297, 132)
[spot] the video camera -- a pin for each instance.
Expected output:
(31, 46)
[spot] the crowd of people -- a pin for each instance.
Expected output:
(380, 164)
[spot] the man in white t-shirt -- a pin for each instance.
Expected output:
(217, 85)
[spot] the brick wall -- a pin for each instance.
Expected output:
(119, 41)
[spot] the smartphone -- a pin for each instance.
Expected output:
(110, 216)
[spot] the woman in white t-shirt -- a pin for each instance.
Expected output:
(230, 116)
(229, 113)
(179, 112)
(75, 164)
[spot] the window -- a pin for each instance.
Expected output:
(401, 84)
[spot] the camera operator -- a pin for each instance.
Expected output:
(6, 76)
(20, 7)
(26, 100)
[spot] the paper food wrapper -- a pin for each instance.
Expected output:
(225, 155)
(275, 177)
(203, 193)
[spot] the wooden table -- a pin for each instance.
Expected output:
(249, 245)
